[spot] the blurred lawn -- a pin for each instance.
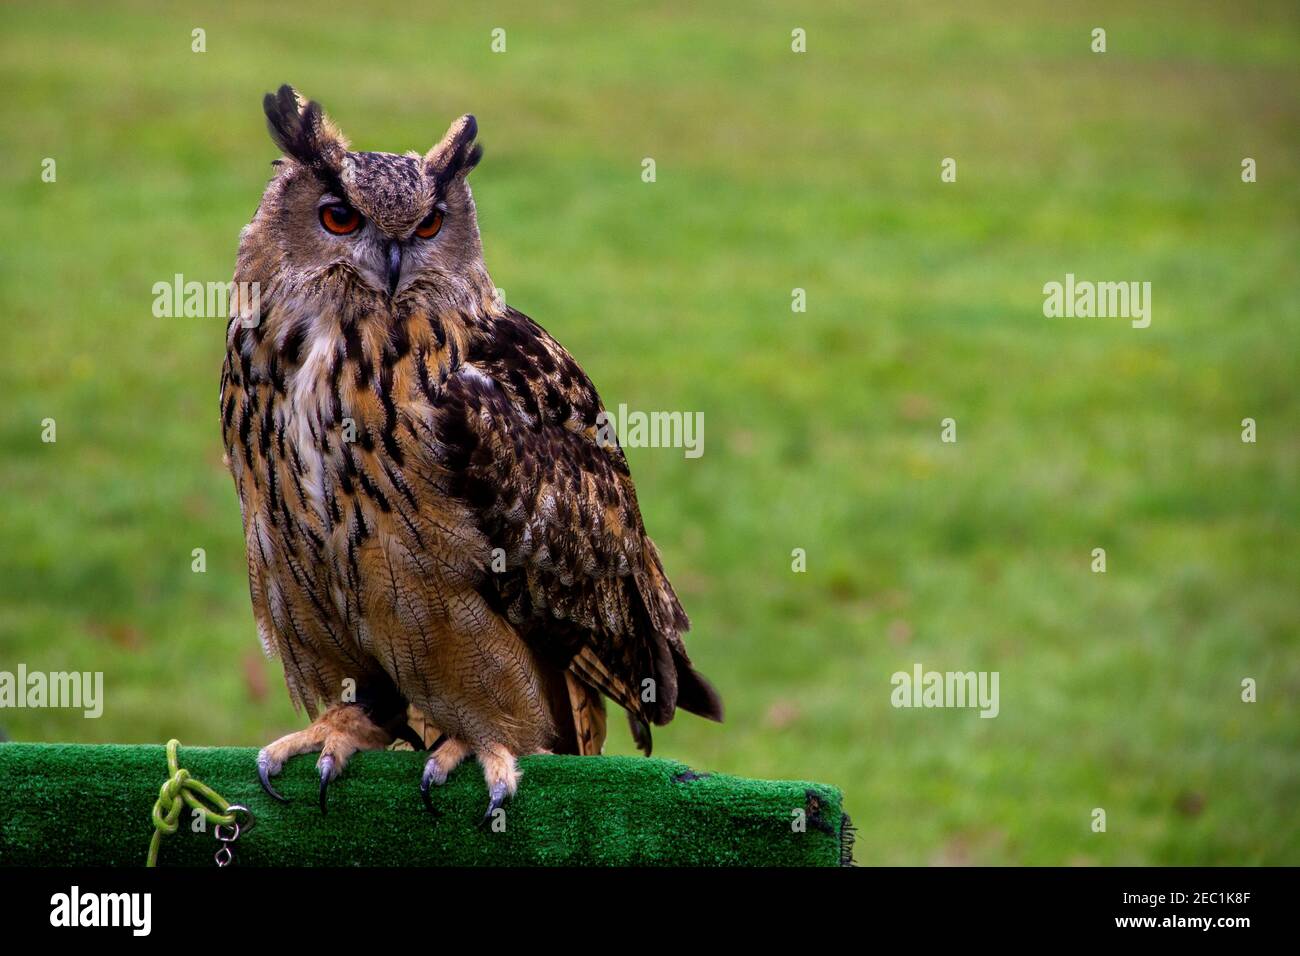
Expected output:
(775, 171)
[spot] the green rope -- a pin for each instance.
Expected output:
(178, 791)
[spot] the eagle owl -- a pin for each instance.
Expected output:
(438, 530)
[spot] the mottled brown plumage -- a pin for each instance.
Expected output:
(430, 519)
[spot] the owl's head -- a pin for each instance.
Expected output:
(371, 225)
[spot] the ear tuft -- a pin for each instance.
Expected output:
(303, 131)
(457, 153)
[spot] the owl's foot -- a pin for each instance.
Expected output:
(337, 734)
(502, 776)
(499, 770)
(444, 756)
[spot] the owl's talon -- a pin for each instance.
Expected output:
(426, 778)
(434, 772)
(326, 768)
(264, 775)
(336, 735)
(496, 797)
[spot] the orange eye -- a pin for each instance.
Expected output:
(430, 226)
(340, 219)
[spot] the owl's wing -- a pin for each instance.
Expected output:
(518, 434)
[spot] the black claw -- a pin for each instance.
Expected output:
(496, 797)
(326, 765)
(425, 780)
(264, 776)
(427, 777)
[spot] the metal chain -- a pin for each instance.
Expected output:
(225, 854)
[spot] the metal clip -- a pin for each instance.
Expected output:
(227, 834)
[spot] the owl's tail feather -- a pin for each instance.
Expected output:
(641, 733)
(694, 692)
(587, 707)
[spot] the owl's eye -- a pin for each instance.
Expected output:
(429, 227)
(340, 219)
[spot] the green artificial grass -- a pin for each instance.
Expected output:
(65, 804)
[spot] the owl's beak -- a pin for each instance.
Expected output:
(393, 253)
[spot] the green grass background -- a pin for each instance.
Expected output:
(775, 171)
